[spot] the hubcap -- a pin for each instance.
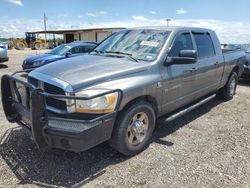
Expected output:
(137, 129)
(232, 87)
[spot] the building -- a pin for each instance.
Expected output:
(92, 34)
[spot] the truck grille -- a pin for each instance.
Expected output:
(49, 88)
(33, 81)
(53, 89)
(55, 103)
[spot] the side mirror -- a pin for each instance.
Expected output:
(185, 57)
(68, 54)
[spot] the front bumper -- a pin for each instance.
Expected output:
(75, 133)
(26, 66)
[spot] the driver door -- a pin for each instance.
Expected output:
(178, 79)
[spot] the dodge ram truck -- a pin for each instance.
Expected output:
(118, 91)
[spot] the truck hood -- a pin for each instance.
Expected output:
(83, 71)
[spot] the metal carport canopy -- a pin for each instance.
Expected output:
(74, 30)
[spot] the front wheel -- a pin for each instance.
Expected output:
(228, 91)
(133, 129)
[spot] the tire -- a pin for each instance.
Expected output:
(38, 46)
(20, 46)
(133, 128)
(229, 90)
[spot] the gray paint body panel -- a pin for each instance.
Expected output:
(171, 86)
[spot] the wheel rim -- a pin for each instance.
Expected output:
(232, 87)
(137, 129)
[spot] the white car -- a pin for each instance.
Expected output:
(3, 53)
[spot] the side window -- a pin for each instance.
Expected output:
(182, 42)
(89, 49)
(204, 45)
(76, 50)
(83, 49)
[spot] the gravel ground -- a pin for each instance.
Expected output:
(209, 147)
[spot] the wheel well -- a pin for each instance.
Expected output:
(151, 100)
(236, 70)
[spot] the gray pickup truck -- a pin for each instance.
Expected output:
(118, 91)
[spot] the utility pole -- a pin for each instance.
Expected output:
(168, 21)
(45, 25)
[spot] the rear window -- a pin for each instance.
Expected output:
(204, 45)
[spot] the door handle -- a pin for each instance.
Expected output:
(193, 69)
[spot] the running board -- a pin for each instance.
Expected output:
(186, 110)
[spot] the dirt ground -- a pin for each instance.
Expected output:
(209, 147)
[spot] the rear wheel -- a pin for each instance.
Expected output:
(133, 129)
(38, 46)
(228, 91)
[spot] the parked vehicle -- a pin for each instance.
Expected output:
(246, 71)
(3, 53)
(61, 52)
(231, 46)
(117, 92)
(31, 40)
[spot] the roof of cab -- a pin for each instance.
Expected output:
(77, 43)
(173, 28)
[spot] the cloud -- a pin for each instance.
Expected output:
(181, 11)
(152, 12)
(142, 18)
(16, 2)
(97, 14)
(65, 15)
(225, 29)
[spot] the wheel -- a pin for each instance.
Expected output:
(20, 46)
(228, 91)
(133, 129)
(38, 46)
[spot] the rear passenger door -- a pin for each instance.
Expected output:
(209, 70)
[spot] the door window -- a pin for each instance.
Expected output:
(88, 49)
(81, 49)
(76, 50)
(182, 42)
(204, 45)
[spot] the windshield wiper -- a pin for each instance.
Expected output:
(123, 53)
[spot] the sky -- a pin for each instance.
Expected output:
(229, 18)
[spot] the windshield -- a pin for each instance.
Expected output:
(59, 50)
(140, 44)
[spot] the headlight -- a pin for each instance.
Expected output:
(38, 63)
(102, 104)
